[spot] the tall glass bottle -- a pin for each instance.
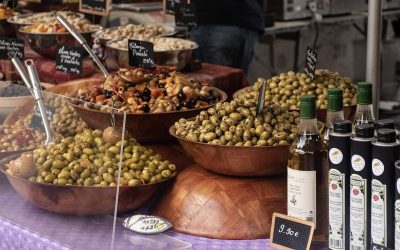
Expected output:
(334, 113)
(364, 112)
(308, 172)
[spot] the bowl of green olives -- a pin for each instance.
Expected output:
(82, 172)
(287, 88)
(232, 139)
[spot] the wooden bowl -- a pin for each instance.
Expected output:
(205, 204)
(237, 161)
(349, 111)
(146, 128)
(79, 200)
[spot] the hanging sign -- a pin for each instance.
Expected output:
(311, 62)
(69, 59)
(185, 13)
(11, 45)
(141, 54)
(95, 7)
(291, 233)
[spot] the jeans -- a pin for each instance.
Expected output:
(226, 45)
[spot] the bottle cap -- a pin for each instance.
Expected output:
(384, 123)
(364, 93)
(342, 126)
(386, 135)
(335, 99)
(308, 107)
(365, 130)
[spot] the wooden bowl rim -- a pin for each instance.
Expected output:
(223, 95)
(7, 159)
(172, 131)
(22, 30)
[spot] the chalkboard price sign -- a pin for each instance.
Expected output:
(69, 59)
(37, 121)
(185, 13)
(11, 45)
(141, 54)
(379, 247)
(96, 7)
(311, 62)
(291, 233)
(169, 7)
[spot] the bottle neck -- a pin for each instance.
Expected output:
(332, 117)
(308, 126)
(364, 113)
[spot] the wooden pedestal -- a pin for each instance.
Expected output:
(206, 204)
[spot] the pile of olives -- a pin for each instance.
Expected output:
(287, 88)
(65, 121)
(91, 159)
(237, 123)
(19, 136)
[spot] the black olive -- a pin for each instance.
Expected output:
(109, 94)
(178, 106)
(203, 98)
(191, 103)
(146, 95)
(146, 91)
(130, 85)
(146, 108)
(181, 95)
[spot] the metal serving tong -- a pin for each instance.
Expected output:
(31, 80)
(82, 41)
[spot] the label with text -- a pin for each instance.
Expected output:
(358, 212)
(69, 59)
(37, 121)
(96, 7)
(141, 54)
(311, 62)
(378, 213)
(337, 204)
(185, 13)
(291, 232)
(11, 45)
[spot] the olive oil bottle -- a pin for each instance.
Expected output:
(334, 113)
(308, 172)
(364, 112)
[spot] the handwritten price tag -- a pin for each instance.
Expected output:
(185, 13)
(291, 233)
(311, 62)
(11, 45)
(141, 54)
(69, 59)
(96, 7)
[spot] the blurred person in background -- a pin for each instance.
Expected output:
(228, 31)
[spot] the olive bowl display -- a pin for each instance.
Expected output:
(80, 200)
(237, 160)
(349, 111)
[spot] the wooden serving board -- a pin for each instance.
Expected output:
(205, 204)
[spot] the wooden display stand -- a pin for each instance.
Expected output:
(206, 204)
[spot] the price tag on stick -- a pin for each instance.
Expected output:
(311, 62)
(290, 233)
(69, 59)
(141, 54)
(11, 45)
(95, 7)
(261, 97)
(185, 13)
(379, 247)
(37, 121)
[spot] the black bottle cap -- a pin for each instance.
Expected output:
(365, 130)
(386, 135)
(384, 123)
(342, 127)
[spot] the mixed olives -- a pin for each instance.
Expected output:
(236, 123)
(287, 88)
(91, 159)
(148, 91)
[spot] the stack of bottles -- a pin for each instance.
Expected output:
(355, 163)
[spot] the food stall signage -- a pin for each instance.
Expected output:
(311, 62)
(69, 59)
(95, 7)
(290, 233)
(141, 54)
(185, 13)
(11, 45)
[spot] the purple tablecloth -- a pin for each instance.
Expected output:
(23, 226)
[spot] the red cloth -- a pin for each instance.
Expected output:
(226, 78)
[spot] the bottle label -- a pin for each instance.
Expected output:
(357, 163)
(335, 155)
(337, 204)
(378, 213)
(377, 167)
(301, 194)
(358, 212)
(397, 224)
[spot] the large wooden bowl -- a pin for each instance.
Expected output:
(349, 111)
(146, 128)
(205, 204)
(237, 161)
(79, 200)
